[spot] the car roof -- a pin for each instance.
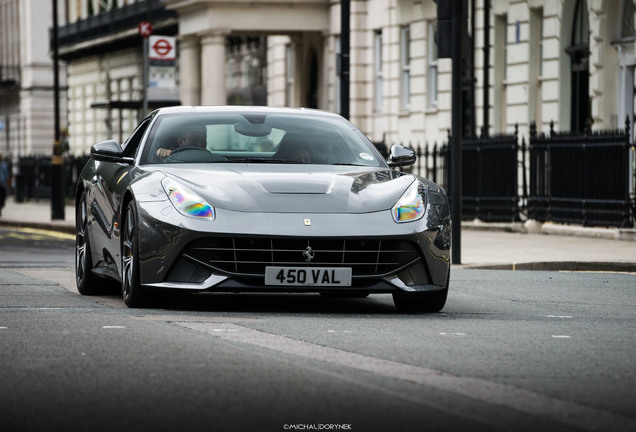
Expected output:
(238, 109)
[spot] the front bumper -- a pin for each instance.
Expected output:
(416, 256)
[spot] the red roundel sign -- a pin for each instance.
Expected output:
(161, 48)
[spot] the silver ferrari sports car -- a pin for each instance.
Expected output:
(239, 199)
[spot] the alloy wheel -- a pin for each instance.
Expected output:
(128, 257)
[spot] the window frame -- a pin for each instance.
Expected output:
(378, 78)
(405, 66)
(433, 70)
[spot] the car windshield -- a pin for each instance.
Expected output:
(258, 138)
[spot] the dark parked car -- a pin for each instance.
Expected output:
(236, 199)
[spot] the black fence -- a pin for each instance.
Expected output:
(433, 164)
(490, 186)
(33, 180)
(583, 179)
(573, 179)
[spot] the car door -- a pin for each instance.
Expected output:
(108, 185)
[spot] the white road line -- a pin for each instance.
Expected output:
(113, 327)
(561, 336)
(520, 400)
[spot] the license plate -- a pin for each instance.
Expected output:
(308, 276)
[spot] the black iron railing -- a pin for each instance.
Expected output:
(582, 179)
(579, 179)
(33, 178)
(490, 186)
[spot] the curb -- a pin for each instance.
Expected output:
(551, 228)
(574, 266)
(67, 229)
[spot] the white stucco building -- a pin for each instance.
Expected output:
(101, 44)
(566, 61)
(26, 78)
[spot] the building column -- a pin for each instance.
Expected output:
(213, 91)
(190, 69)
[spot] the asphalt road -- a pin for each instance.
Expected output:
(518, 350)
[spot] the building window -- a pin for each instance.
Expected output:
(102, 5)
(229, 77)
(338, 74)
(378, 72)
(405, 63)
(626, 74)
(246, 71)
(432, 65)
(627, 26)
(579, 69)
(536, 65)
(289, 75)
(501, 70)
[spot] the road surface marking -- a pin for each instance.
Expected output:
(520, 400)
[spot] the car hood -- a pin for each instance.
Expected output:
(297, 188)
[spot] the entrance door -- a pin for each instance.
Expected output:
(312, 83)
(579, 53)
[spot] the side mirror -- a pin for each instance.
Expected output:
(110, 151)
(401, 156)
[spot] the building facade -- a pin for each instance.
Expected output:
(26, 78)
(102, 44)
(570, 62)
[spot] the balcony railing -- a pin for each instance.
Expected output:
(116, 20)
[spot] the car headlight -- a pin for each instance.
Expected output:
(187, 202)
(410, 207)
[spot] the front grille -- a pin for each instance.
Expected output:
(250, 256)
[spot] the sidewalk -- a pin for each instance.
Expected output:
(36, 214)
(483, 245)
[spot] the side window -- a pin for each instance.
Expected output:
(131, 145)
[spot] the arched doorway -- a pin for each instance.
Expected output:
(579, 51)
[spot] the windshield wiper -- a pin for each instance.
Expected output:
(350, 164)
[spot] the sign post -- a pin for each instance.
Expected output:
(57, 161)
(162, 54)
(145, 30)
(451, 23)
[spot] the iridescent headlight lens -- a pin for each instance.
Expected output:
(187, 202)
(410, 207)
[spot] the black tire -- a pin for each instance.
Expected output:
(422, 302)
(87, 282)
(134, 295)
